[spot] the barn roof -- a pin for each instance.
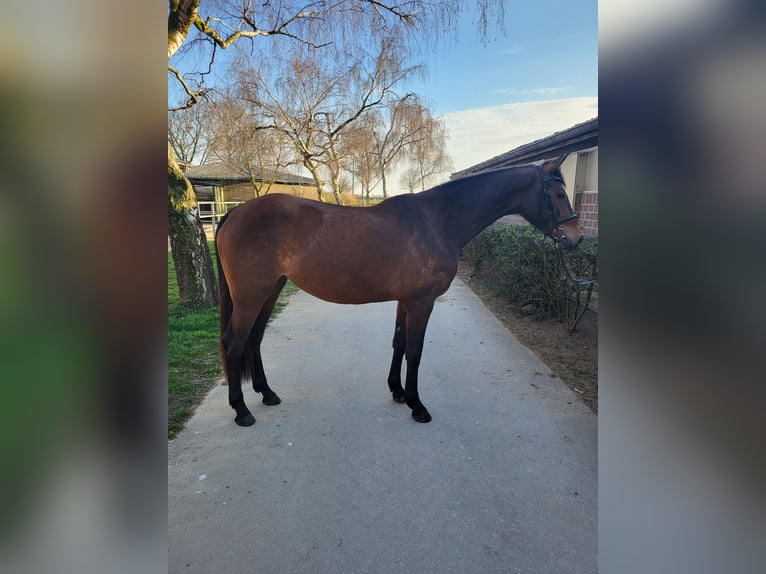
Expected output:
(219, 174)
(578, 137)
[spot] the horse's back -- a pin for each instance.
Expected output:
(266, 207)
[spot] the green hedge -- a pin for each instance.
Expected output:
(520, 264)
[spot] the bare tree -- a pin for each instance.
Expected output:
(373, 95)
(316, 104)
(402, 129)
(410, 178)
(361, 160)
(263, 155)
(290, 97)
(336, 25)
(188, 133)
(238, 140)
(428, 154)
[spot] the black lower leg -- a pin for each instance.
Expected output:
(417, 320)
(244, 417)
(234, 379)
(399, 344)
(395, 376)
(419, 411)
(269, 397)
(259, 381)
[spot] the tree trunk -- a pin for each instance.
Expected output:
(191, 256)
(253, 182)
(180, 18)
(383, 179)
(335, 188)
(317, 178)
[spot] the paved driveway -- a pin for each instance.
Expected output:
(340, 479)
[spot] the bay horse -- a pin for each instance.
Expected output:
(404, 249)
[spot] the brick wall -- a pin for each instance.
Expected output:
(586, 206)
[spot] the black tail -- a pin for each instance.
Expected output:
(225, 303)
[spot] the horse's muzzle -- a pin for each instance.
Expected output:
(564, 241)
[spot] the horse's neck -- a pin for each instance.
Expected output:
(468, 207)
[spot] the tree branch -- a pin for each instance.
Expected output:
(406, 17)
(254, 31)
(193, 96)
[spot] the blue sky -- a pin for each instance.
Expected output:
(549, 51)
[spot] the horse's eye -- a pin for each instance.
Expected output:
(561, 194)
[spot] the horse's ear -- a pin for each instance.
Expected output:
(556, 163)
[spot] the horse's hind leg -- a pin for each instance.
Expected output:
(399, 344)
(234, 342)
(241, 347)
(256, 337)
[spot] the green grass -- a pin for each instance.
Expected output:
(194, 364)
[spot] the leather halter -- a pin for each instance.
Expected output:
(546, 197)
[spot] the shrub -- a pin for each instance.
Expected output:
(521, 264)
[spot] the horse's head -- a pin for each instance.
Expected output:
(555, 216)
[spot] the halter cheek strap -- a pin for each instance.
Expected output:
(547, 179)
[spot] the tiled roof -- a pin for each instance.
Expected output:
(223, 174)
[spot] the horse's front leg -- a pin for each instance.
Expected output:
(400, 338)
(417, 321)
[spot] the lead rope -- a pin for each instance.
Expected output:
(563, 268)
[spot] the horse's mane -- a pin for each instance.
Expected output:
(459, 182)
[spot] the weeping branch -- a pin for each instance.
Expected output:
(380, 7)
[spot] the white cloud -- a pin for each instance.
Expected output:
(480, 134)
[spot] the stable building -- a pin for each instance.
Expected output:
(223, 183)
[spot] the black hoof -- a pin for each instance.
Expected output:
(423, 417)
(246, 420)
(272, 400)
(400, 399)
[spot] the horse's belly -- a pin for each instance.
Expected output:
(341, 286)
